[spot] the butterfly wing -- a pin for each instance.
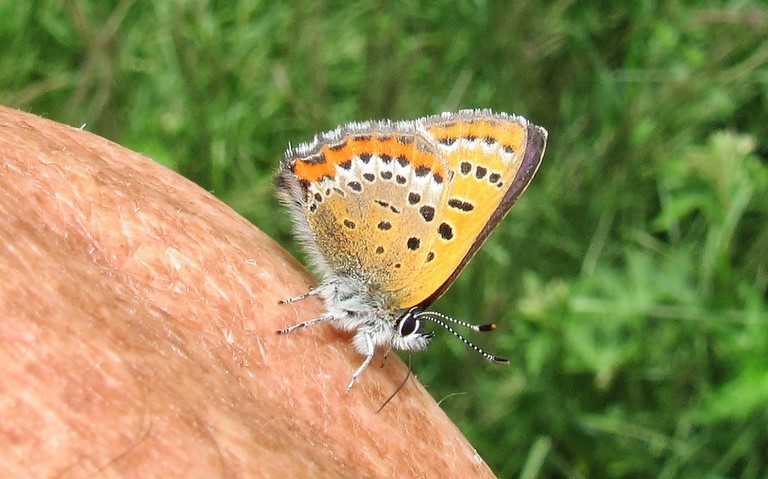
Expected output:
(365, 198)
(493, 158)
(405, 205)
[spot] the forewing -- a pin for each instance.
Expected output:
(493, 158)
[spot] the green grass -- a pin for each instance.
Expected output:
(630, 283)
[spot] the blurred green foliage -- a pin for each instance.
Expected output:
(630, 283)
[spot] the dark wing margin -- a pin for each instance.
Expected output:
(535, 145)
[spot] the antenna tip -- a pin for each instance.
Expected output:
(503, 361)
(487, 327)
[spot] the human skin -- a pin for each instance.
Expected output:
(137, 335)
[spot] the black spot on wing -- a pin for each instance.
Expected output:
(446, 231)
(427, 212)
(316, 159)
(337, 146)
(461, 205)
(384, 204)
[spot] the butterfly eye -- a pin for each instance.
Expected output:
(410, 336)
(408, 324)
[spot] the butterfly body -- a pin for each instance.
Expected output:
(391, 212)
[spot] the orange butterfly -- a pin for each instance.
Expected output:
(391, 212)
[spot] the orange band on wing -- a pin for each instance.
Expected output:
(506, 134)
(324, 163)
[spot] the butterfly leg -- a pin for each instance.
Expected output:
(311, 292)
(384, 356)
(311, 322)
(369, 351)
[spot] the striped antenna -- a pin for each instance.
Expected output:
(442, 320)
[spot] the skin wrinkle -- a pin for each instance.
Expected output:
(137, 335)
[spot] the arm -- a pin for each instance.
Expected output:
(137, 335)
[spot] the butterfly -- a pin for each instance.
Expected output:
(390, 212)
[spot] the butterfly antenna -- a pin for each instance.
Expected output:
(442, 319)
(480, 328)
(410, 358)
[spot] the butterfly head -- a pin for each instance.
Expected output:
(409, 334)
